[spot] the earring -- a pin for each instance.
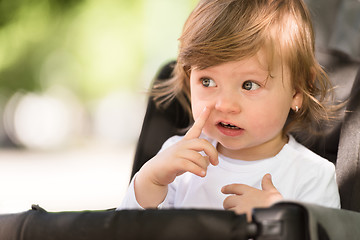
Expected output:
(296, 108)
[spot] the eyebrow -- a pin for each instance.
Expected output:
(258, 72)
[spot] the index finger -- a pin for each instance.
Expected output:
(196, 129)
(235, 188)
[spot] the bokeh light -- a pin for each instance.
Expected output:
(73, 83)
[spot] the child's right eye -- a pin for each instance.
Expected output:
(207, 82)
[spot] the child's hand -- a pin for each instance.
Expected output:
(152, 180)
(244, 198)
(185, 155)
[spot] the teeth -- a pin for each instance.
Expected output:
(229, 126)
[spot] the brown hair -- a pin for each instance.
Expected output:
(219, 31)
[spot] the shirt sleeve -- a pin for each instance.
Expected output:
(130, 202)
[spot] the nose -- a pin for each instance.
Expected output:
(228, 102)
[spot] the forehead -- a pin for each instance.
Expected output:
(247, 66)
(262, 61)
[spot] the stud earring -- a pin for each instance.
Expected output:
(296, 108)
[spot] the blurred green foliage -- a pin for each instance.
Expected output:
(89, 46)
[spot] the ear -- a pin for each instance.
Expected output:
(298, 95)
(297, 100)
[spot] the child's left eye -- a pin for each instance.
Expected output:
(207, 82)
(250, 85)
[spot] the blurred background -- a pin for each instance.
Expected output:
(73, 82)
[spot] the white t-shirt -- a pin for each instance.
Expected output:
(297, 173)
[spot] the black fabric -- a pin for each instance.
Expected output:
(279, 222)
(348, 162)
(127, 224)
(159, 124)
(330, 223)
(336, 24)
(282, 221)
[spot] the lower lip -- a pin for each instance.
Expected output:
(230, 132)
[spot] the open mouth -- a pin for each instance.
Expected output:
(229, 129)
(229, 126)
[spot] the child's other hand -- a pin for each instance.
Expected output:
(185, 156)
(244, 198)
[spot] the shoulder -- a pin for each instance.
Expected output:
(307, 158)
(315, 176)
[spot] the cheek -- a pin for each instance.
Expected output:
(197, 105)
(195, 108)
(270, 118)
(199, 101)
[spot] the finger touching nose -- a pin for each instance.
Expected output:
(196, 129)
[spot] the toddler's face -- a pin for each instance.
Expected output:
(249, 108)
